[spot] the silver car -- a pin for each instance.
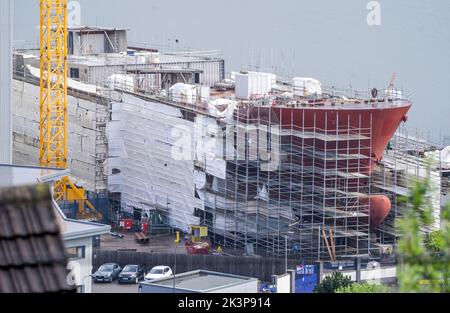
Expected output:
(107, 273)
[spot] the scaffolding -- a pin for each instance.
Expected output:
(310, 203)
(403, 162)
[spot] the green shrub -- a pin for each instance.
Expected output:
(364, 288)
(424, 258)
(332, 283)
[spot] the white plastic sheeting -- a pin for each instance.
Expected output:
(209, 146)
(217, 168)
(203, 93)
(71, 83)
(263, 194)
(445, 157)
(199, 179)
(222, 108)
(183, 93)
(122, 82)
(304, 86)
(253, 84)
(141, 144)
(442, 156)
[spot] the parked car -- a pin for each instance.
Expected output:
(131, 274)
(158, 272)
(107, 273)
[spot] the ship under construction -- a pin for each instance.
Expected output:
(269, 164)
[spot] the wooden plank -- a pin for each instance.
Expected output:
(328, 246)
(333, 246)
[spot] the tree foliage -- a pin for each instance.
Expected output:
(364, 288)
(435, 241)
(332, 283)
(424, 258)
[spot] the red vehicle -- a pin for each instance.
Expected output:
(197, 248)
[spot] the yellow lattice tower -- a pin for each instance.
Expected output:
(53, 98)
(53, 103)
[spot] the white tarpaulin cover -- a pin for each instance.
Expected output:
(263, 194)
(222, 108)
(304, 86)
(199, 179)
(71, 83)
(217, 168)
(183, 93)
(209, 146)
(141, 149)
(442, 156)
(446, 157)
(122, 82)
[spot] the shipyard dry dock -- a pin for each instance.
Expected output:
(263, 162)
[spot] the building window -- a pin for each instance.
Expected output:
(75, 73)
(74, 253)
(197, 78)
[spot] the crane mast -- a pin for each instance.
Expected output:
(53, 100)
(53, 87)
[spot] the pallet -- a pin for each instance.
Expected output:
(141, 238)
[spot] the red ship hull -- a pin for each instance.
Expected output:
(363, 130)
(381, 121)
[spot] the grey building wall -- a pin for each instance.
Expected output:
(213, 70)
(5, 80)
(97, 42)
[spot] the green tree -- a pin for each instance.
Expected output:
(424, 258)
(332, 283)
(435, 241)
(364, 288)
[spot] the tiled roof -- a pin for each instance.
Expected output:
(32, 253)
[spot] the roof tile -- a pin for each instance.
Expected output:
(32, 253)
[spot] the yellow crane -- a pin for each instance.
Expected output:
(53, 101)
